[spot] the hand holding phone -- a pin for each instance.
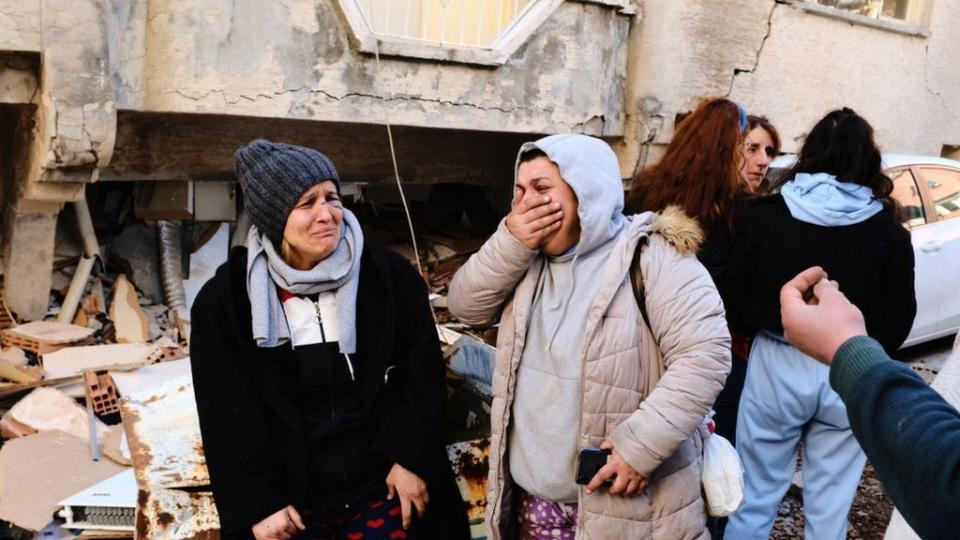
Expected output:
(626, 480)
(589, 463)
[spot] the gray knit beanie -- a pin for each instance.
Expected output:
(274, 176)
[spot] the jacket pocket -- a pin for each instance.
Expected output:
(685, 455)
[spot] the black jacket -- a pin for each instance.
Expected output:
(254, 444)
(871, 260)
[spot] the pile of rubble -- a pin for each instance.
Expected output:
(88, 409)
(100, 436)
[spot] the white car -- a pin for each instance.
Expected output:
(928, 188)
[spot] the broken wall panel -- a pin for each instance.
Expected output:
(73, 361)
(163, 432)
(43, 337)
(470, 460)
(39, 471)
(49, 409)
(172, 514)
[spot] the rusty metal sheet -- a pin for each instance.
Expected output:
(173, 514)
(471, 460)
(163, 432)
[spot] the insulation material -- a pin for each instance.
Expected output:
(38, 471)
(73, 361)
(48, 409)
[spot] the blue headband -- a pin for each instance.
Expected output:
(743, 117)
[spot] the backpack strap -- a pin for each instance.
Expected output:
(636, 280)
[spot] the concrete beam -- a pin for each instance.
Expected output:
(18, 78)
(77, 113)
(27, 263)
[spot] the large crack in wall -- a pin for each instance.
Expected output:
(756, 62)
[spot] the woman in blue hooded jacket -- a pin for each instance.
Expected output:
(835, 211)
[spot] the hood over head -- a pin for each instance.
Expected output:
(591, 169)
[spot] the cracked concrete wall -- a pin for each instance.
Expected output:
(293, 59)
(20, 25)
(78, 119)
(793, 66)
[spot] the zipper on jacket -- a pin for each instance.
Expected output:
(323, 336)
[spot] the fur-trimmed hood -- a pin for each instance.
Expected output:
(682, 231)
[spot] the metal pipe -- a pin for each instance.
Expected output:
(240, 230)
(77, 284)
(90, 246)
(91, 252)
(171, 268)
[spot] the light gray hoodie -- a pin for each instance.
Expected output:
(546, 409)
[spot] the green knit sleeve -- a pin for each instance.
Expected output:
(857, 355)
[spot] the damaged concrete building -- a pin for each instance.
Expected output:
(157, 94)
(119, 120)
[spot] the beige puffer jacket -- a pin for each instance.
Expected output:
(653, 418)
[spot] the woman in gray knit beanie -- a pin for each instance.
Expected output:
(317, 370)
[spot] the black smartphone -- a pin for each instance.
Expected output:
(589, 463)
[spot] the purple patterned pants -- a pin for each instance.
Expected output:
(541, 519)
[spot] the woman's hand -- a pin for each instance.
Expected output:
(626, 480)
(411, 489)
(533, 219)
(282, 525)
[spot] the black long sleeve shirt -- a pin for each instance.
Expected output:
(872, 261)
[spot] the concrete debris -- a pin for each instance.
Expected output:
(49, 409)
(14, 356)
(73, 361)
(38, 471)
(41, 337)
(101, 393)
(19, 373)
(473, 360)
(132, 325)
(6, 318)
(132, 359)
(115, 446)
(173, 514)
(447, 335)
(11, 428)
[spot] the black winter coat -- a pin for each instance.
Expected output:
(871, 260)
(255, 448)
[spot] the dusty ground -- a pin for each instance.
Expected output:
(871, 508)
(868, 517)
